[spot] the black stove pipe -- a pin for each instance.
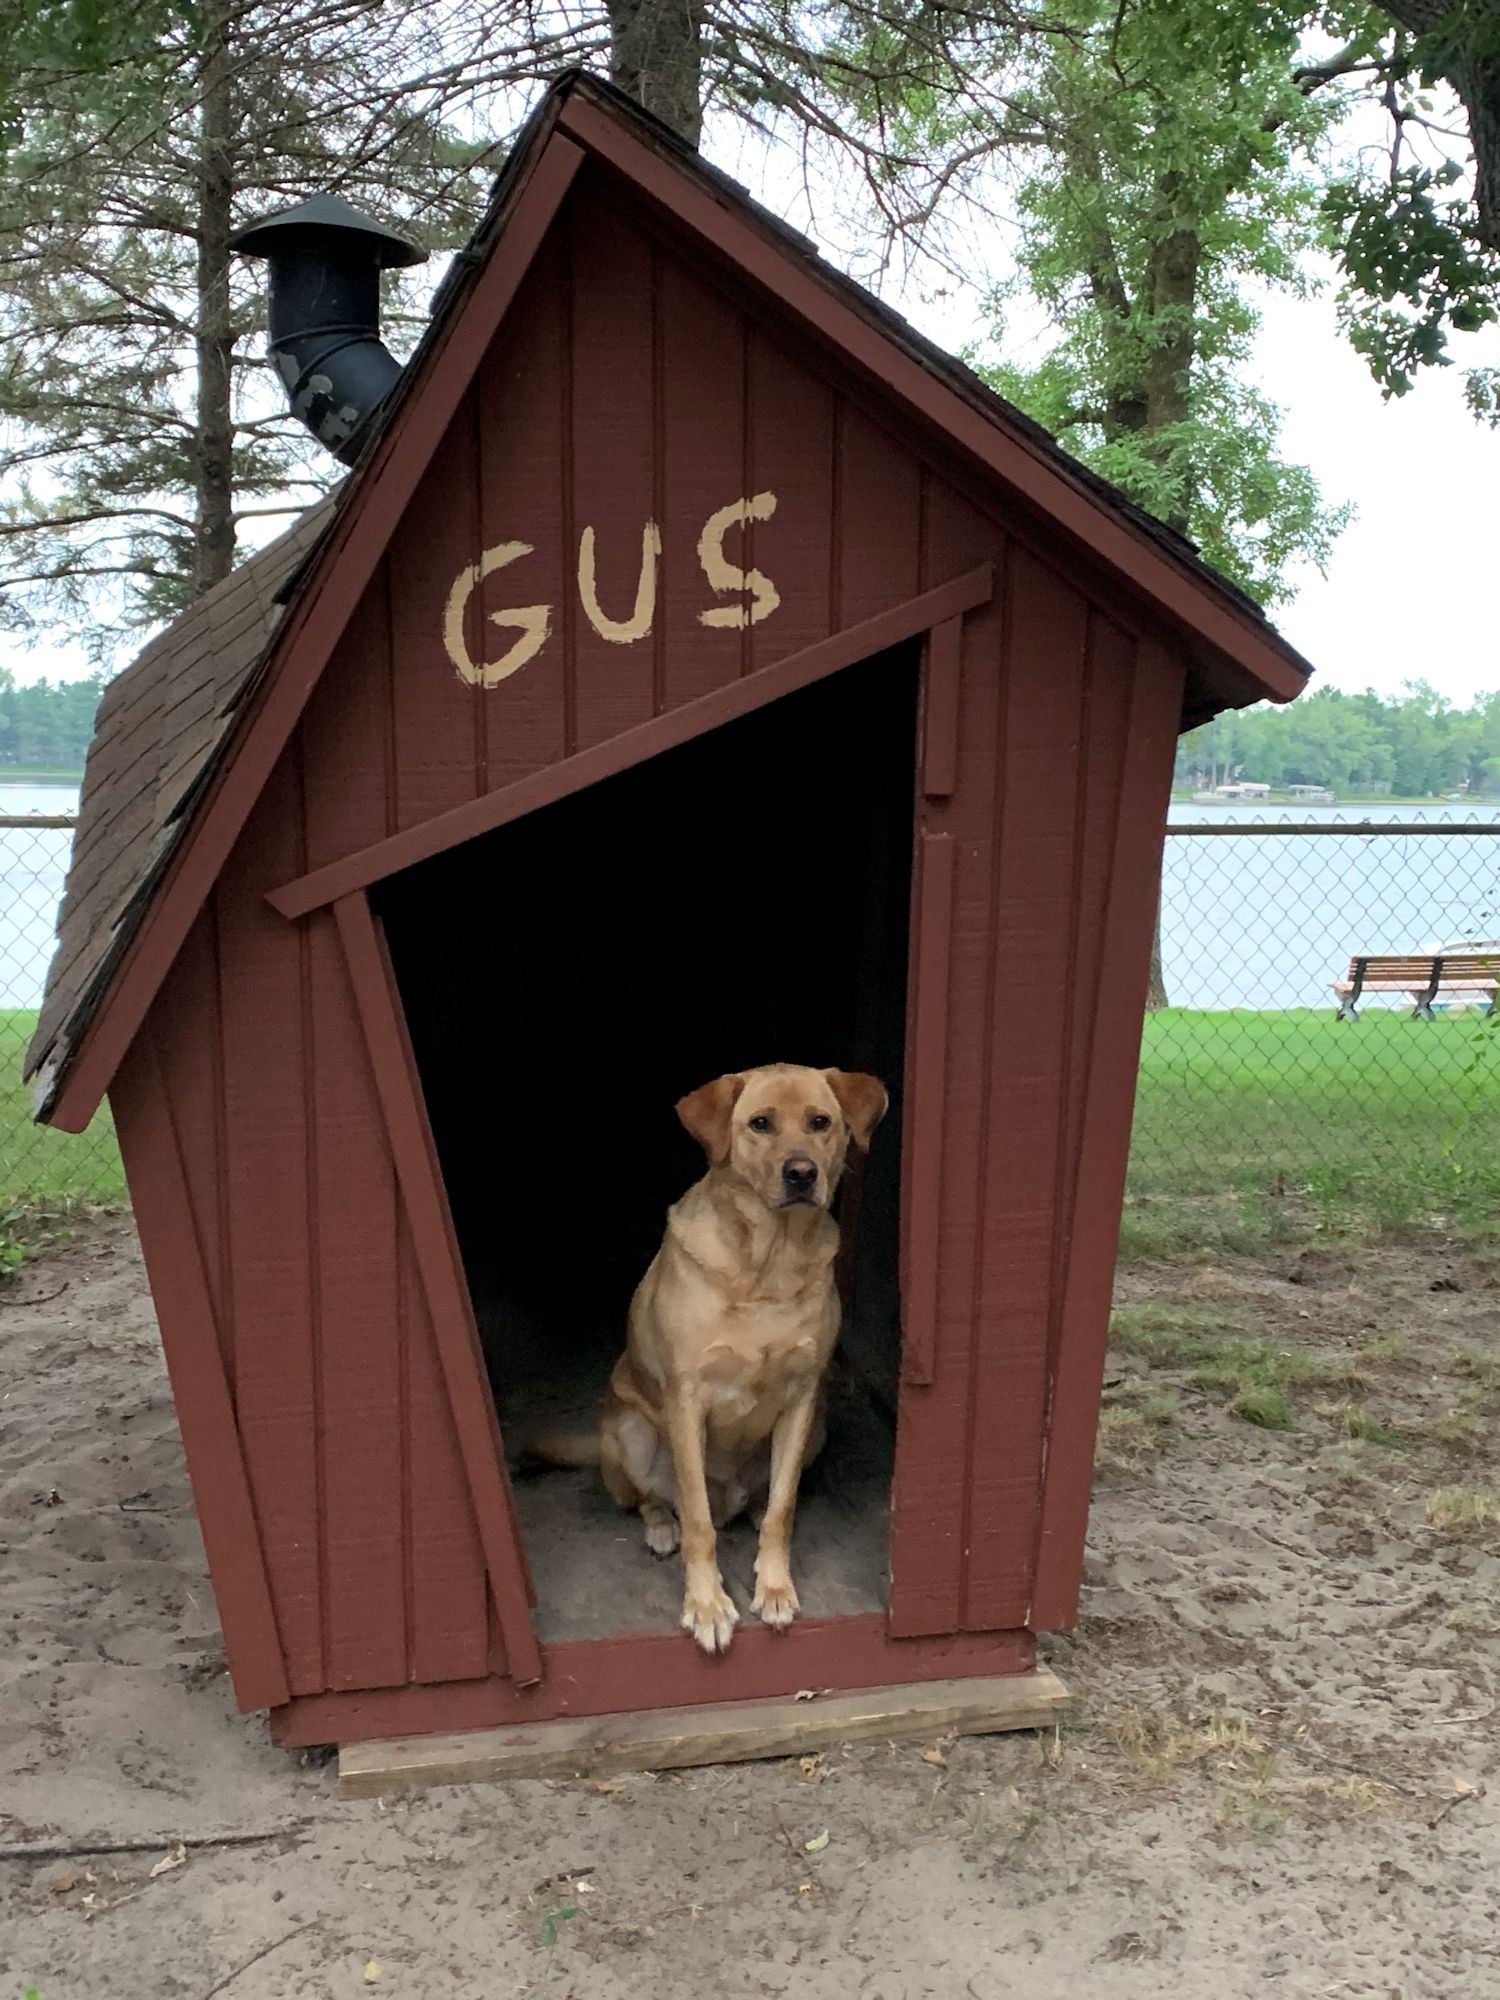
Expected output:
(325, 262)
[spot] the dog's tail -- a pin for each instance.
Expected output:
(562, 1448)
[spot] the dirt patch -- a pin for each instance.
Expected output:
(1285, 1769)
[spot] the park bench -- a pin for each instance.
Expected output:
(1421, 974)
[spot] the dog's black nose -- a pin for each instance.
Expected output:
(799, 1175)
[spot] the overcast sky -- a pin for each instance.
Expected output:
(1412, 588)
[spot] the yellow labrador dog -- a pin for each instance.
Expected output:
(715, 1404)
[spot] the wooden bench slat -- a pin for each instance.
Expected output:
(1447, 985)
(1424, 975)
(1408, 967)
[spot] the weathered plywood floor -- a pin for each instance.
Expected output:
(595, 1577)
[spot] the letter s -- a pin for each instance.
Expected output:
(724, 575)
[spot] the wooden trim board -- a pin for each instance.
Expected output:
(937, 607)
(657, 1670)
(393, 1069)
(150, 1143)
(731, 1732)
(921, 1184)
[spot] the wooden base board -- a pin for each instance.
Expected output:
(729, 1732)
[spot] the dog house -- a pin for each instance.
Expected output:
(696, 669)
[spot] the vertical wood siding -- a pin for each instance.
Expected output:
(271, 1213)
(1033, 923)
(155, 1155)
(612, 450)
(365, 1415)
(625, 387)
(1113, 1052)
(793, 452)
(1034, 1079)
(522, 410)
(186, 1026)
(700, 348)
(934, 1434)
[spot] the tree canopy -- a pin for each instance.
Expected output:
(1165, 158)
(1415, 745)
(1175, 158)
(141, 428)
(1168, 178)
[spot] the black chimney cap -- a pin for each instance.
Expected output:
(311, 222)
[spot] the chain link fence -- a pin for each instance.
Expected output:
(39, 1168)
(1251, 1086)
(1252, 1092)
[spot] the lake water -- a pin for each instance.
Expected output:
(1265, 920)
(1268, 920)
(33, 864)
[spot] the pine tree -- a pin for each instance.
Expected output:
(141, 434)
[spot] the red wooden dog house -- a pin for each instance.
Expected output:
(697, 669)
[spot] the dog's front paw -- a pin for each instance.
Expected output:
(710, 1616)
(776, 1602)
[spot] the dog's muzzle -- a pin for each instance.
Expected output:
(799, 1180)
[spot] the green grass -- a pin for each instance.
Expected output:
(17, 774)
(1133, 1423)
(1464, 1507)
(43, 1170)
(1253, 1129)
(1366, 1426)
(1480, 1367)
(1256, 1378)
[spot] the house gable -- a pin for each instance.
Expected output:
(645, 397)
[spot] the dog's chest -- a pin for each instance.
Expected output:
(760, 1360)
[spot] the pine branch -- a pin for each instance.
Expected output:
(52, 523)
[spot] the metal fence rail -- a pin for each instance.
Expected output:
(1248, 1083)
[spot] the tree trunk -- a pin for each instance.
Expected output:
(1171, 298)
(1156, 988)
(213, 539)
(1474, 72)
(1171, 293)
(656, 55)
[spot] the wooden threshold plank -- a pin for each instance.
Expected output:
(730, 1732)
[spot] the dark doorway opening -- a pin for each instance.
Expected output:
(741, 899)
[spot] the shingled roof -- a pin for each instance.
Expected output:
(160, 726)
(172, 722)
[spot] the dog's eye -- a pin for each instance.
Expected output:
(760, 1122)
(819, 1122)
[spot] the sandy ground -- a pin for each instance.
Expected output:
(1283, 1778)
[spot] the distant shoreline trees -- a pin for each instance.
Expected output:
(1414, 745)
(46, 725)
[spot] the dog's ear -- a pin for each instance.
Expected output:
(706, 1113)
(862, 1099)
